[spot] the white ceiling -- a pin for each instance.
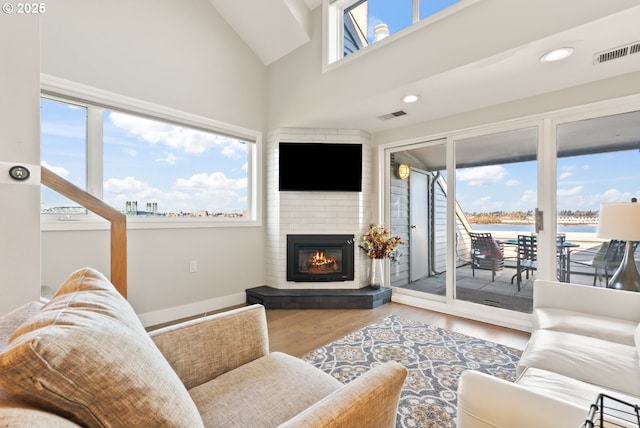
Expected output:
(273, 28)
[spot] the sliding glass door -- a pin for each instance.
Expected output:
(487, 211)
(417, 212)
(496, 200)
(598, 162)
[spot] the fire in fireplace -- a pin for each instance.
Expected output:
(325, 258)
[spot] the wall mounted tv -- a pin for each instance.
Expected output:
(330, 167)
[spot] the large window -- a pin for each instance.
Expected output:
(145, 167)
(356, 24)
(63, 149)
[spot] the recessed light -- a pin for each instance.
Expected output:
(556, 55)
(411, 98)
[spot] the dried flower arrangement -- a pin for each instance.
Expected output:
(378, 243)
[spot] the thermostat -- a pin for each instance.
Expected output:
(19, 173)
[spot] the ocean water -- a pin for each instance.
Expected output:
(530, 228)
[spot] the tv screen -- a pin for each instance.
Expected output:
(320, 167)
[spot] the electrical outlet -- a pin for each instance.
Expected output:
(193, 266)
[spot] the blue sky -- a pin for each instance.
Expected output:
(181, 169)
(583, 183)
(397, 14)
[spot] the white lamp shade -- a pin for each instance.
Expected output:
(620, 221)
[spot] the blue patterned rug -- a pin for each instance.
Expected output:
(435, 358)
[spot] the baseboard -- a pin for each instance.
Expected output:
(185, 311)
(473, 311)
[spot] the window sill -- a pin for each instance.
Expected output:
(96, 223)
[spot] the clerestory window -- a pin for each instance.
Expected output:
(356, 24)
(147, 167)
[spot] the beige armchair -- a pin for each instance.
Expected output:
(225, 363)
(85, 359)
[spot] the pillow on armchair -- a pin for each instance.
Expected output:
(86, 356)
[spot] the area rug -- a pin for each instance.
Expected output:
(434, 357)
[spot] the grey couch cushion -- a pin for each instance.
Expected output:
(86, 356)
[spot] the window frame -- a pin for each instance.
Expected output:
(97, 100)
(332, 25)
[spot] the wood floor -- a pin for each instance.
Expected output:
(297, 332)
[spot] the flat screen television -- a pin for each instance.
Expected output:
(331, 167)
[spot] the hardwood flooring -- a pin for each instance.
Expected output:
(297, 332)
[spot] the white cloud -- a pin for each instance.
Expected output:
(59, 170)
(212, 192)
(570, 192)
(482, 175)
(615, 195)
(528, 200)
(177, 137)
(564, 175)
(484, 204)
(213, 181)
(512, 183)
(169, 158)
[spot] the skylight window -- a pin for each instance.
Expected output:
(355, 24)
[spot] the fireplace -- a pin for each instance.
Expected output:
(321, 258)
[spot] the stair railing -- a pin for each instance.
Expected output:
(117, 219)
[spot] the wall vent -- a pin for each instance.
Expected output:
(392, 115)
(616, 53)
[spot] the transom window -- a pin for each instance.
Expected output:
(356, 24)
(144, 167)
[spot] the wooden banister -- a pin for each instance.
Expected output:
(117, 219)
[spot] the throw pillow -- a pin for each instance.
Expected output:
(86, 356)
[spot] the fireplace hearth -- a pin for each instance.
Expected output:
(320, 258)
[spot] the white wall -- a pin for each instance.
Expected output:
(19, 145)
(181, 55)
(602, 90)
(316, 212)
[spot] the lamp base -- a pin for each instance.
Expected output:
(627, 276)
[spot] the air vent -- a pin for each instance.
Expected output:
(392, 115)
(616, 53)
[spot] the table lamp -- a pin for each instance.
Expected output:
(621, 221)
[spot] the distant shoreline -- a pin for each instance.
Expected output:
(529, 227)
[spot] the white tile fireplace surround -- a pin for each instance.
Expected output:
(315, 212)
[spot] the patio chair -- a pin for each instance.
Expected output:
(486, 254)
(561, 258)
(527, 257)
(606, 260)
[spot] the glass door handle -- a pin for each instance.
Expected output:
(539, 217)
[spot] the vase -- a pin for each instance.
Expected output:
(376, 273)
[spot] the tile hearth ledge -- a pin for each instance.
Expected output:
(361, 298)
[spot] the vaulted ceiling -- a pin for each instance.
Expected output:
(274, 28)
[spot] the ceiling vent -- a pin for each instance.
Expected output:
(392, 115)
(616, 53)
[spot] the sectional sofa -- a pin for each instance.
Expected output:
(584, 343)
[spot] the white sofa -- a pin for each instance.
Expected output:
(584, 342)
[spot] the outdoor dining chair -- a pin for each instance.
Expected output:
(606, 260)
(526, 257)
(485, 254)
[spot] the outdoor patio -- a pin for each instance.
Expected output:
(503, 292)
